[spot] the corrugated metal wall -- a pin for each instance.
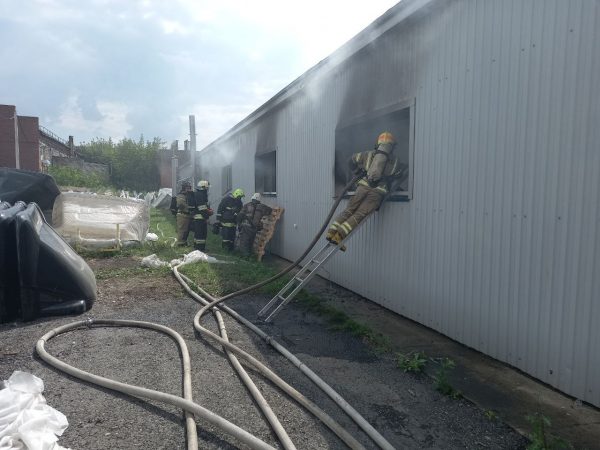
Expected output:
(499, 247)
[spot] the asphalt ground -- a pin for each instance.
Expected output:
(404, 407)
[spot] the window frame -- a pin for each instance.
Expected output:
(226, 179)
(398, 196)
(262, 155)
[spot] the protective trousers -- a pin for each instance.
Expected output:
(200, 229)
(364, 202)
(246, 238)
(183, 228)
(228, 235)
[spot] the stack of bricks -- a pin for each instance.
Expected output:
(266, 233)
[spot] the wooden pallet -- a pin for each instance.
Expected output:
(263, 237)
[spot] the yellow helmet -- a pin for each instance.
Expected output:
(238, 193)
(386, 138)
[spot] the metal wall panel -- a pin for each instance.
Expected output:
(499, 246)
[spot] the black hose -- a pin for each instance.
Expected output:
(297, 261)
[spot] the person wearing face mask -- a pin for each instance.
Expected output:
(379, 169)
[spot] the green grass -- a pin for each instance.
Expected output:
(123, 272)
(222, 279)
(541, 438)
(412, 362)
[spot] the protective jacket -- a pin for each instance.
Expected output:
(228, 210)
(186, 203)
(227, 215)
(381, 170)
(253, 212)
(202, 211)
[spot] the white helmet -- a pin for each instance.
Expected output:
(203, 184)
(256, 196)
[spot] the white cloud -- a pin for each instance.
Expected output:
(172, 27)
(142, 66)
(112, 122)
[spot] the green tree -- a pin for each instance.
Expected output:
(133, 164)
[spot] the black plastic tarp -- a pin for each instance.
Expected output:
(40, 275)
(23, 185)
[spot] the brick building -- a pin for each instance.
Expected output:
(25, 131)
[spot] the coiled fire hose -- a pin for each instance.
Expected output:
(187, 404)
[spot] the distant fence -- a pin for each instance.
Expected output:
(100, 169)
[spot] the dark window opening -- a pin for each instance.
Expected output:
(360, 135)
(226, 179)
(265, 173)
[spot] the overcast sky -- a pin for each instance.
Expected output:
(122, 68)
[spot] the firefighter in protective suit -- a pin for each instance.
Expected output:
(380, 169)
(227, 213)
(201, 214)
(185, 204)
(250, 222)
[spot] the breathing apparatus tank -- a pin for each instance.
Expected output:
(385, 145)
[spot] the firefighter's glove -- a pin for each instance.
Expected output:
(209, 212)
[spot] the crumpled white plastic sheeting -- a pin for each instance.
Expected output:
(26, 421)
(162, 199)
(154, 261)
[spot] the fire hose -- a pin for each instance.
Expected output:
(187, 404)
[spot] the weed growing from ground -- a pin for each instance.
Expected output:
(540, 438)
(412, 362)
(442, 384)
(491, 415)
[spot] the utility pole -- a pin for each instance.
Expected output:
(174, 167)
(193, 149)
(17, 154)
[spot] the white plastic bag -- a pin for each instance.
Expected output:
(153, 262)
(26, 421)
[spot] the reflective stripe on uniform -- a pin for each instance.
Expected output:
(381, 189)
(199, 217)
(228, 225)
(346, 227)
(363, 182)
(200, 241)
(369, 160)
(334, 225)
(202, 207)
(182, 214)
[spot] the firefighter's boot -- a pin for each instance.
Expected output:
(330, 234)
(336, 239)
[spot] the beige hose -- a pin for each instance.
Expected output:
(184, 403)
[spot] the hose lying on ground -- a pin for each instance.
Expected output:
(265, 371)
(184, 403)
(358, 419)
(187, 404)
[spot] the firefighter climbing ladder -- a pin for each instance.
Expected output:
(302, 277)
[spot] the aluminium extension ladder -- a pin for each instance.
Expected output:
(304, 275)
(298, 281)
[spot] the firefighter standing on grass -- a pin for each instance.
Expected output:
(380, 169)
(185, 204)
(227, 213)
(250, 222)
(201, 214)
